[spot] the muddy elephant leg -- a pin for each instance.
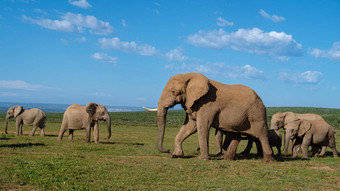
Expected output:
(203, 129)
(33, 130)
(249, 147)
(219, 139)
(70, 134)
(231, 151)
(186, 130)
(63, 128)
(96, 132)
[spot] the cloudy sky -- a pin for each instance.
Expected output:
(123, 52)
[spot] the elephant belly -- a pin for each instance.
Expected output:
(234, 123)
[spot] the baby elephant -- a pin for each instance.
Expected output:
(315, 133)
(274, 138)
(84, 117)
(34, 117)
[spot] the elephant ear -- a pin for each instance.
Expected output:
(304, 126)
(17, 110)
(91, 108)
(197, 87)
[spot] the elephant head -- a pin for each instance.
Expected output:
(12, 112)
(297, 128)
(182, 89)
(99, 112)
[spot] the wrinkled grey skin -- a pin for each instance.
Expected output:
(33, 117)
(78, 117)
(280, 119)
(315, 133)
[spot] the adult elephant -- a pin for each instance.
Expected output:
(208, 103)
(280, 119)
(33, 117)
(315, 133)
(84, 117)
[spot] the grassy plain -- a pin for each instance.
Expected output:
(130, 160)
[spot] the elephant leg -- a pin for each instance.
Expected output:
(260, 132)
(335, 152)
(33, 130)
(20, 128)
(42, 132)
(219, 139)
(63, 128)
(278, 150)
(304, 146)
(17, 128)
(249, 147)
(323, 151)
(203, 127)
(70, 134)
(88, 134)
(231, 151)
(96, 132)
(259, 147)
(186, 130)
(227, 141)
(315, 150)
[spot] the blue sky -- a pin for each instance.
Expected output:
(124, 52)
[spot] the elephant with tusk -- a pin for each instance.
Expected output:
(84, 117)
(33, 117)
(208, 103)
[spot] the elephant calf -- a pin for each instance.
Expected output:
(84, 117)
(34, 117)
(274, 138)
(315, 133)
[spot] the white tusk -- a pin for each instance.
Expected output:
(148, 109)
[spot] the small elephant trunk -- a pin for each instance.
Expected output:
(287, 140)
(108, 121)
(6, 123)
(161, 119)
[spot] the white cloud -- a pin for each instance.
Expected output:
(104, 57)
(129, 47)
(80, 3)
(22, 85)
(176, 55)
(222, 22)
(250, 40)
(274, 18)
(219, 69)
(245, 72)
(142, 99)
(333, 53)
(308, 77)
(71, 22)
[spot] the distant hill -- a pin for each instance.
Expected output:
(60, 108)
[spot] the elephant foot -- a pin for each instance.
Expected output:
(228, 156)
(6, 132)
(203, 157)
(268, 158)
(177, 153)
(97, 142)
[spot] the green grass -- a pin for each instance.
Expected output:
(130, 160)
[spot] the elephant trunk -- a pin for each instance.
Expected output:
(108, 121)
(287, 140)
(6, 123)
(161, 119)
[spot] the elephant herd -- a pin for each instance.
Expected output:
(235, 111)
